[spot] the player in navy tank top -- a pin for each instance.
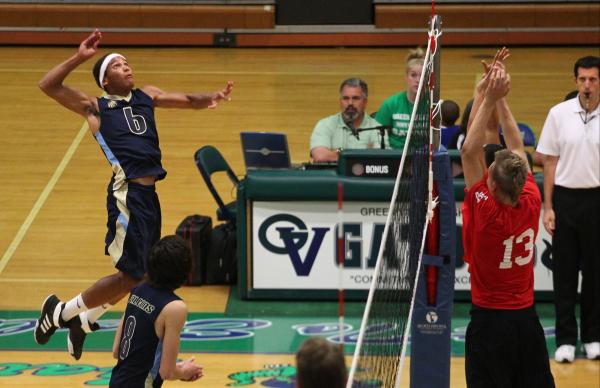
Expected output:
(147, 340)
(505, 344)
(128, 136)
(122, 122)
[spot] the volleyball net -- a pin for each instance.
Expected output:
(382, 340)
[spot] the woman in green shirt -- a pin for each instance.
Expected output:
(396, 110)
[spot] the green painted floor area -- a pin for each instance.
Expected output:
(246, 327)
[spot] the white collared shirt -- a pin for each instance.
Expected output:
(577, 144)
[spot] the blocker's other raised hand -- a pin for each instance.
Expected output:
(498, 63)
(499, 84)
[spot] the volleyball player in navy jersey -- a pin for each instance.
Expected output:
(147, 340)
(122, 122)
(505, 344)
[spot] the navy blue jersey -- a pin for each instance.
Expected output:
(128, 136)
(139, 347)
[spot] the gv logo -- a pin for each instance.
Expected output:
(294, 238)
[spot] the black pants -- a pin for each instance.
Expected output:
(576, 245)
(506, 349)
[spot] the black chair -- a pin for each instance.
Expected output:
(209, 160)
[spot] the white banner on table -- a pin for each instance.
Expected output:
(294, 244)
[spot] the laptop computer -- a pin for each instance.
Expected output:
(265, 150)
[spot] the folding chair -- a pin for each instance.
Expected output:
(209, 160)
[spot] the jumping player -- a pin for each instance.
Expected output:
(147, 340)
(505, 344)
(122, 122)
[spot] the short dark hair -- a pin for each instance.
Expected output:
(587, 63)
(450, 112)
(464, 121)
(320, 364)
(489, 152)
(169, 263)
(356, 83)
(96, 70)
(509, 173)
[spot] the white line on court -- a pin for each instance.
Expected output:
(42, 198)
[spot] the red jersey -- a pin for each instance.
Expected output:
(498, 242)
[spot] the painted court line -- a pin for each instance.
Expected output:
(42, 198)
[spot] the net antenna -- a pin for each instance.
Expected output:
(382, 340)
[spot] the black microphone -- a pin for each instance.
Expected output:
(385, 127)
(350, 125)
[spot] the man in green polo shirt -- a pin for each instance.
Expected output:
(341, 131)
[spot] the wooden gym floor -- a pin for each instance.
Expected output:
(52, 217)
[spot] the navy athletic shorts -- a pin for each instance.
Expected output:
(134, 222)
(506, 348)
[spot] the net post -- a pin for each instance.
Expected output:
(435, 27)
(431, 315)
(435, 123)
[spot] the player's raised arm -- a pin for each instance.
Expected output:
(71, 98)
(188, 100)
(499, 58)
(512, 135)
(473, 146)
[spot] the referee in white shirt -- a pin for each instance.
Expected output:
(570, 143)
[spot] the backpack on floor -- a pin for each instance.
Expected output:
(196, 230)
(221, 266)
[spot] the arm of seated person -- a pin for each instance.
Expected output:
(324, 154)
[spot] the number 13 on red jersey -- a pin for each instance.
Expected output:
(526, 238)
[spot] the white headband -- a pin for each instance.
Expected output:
(104, 65)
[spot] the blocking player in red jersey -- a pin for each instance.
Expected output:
(505, 344)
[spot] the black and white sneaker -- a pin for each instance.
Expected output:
(49, 319)
(79, 327)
